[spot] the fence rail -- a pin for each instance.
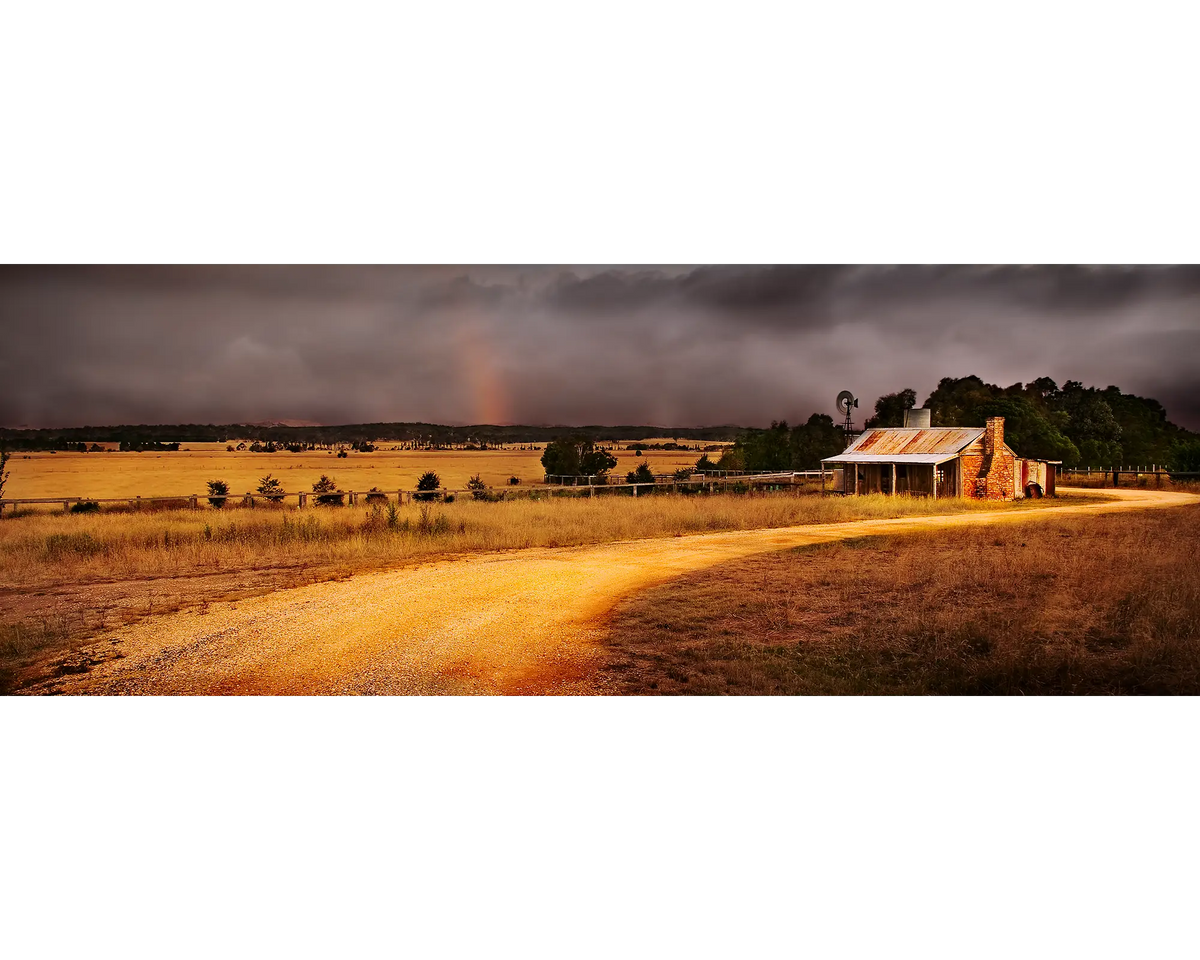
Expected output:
(352, 497)
(1157, 471)
(249, 499)
(598, 480)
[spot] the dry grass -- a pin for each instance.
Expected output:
(49, 549)
(1106, 604)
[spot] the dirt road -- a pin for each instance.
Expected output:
(519, 622)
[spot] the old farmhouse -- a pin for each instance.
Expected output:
(919, 459)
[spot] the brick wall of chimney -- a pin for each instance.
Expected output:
(993, 475)
(993, 436)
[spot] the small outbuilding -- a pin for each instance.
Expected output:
(919, 459)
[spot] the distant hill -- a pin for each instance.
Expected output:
(299, 432)
(284, 423)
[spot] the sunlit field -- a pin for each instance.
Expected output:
(186, 472)
(1071, 606)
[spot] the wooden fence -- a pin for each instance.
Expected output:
(1103, 474)
(589, 480)
(352, 497)
(194, 501)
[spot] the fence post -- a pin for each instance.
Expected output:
(302, 499)
(635, 486)
(193, 501)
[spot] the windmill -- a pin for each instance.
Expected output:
(846, 402)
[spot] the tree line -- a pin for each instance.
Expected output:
(415, 435)
(1081, 426)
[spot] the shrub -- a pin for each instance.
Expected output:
(514, 481)
(4, 458)
(643, 474)
(85, 506)
(683, 473)
(478, 488)
(376, 496)
(326, 497)
(218, 490)
(427, 486)
(271, 488)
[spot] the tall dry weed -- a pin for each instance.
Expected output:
(44, 549)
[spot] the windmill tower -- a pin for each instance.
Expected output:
(847, 402)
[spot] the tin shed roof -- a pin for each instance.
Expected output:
(926, 458)
(881, 441)
(901, 444)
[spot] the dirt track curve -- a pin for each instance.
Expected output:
(518, 622)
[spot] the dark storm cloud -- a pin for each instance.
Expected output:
(676, 345)
(741, 291)
(610, 291)
(1056, 288)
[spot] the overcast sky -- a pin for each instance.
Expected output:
(679, 346)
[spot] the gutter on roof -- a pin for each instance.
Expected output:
(926, 459)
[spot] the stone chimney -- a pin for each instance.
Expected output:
(993, 436)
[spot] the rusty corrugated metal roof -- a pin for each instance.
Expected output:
(920, 458)
(893, 441)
